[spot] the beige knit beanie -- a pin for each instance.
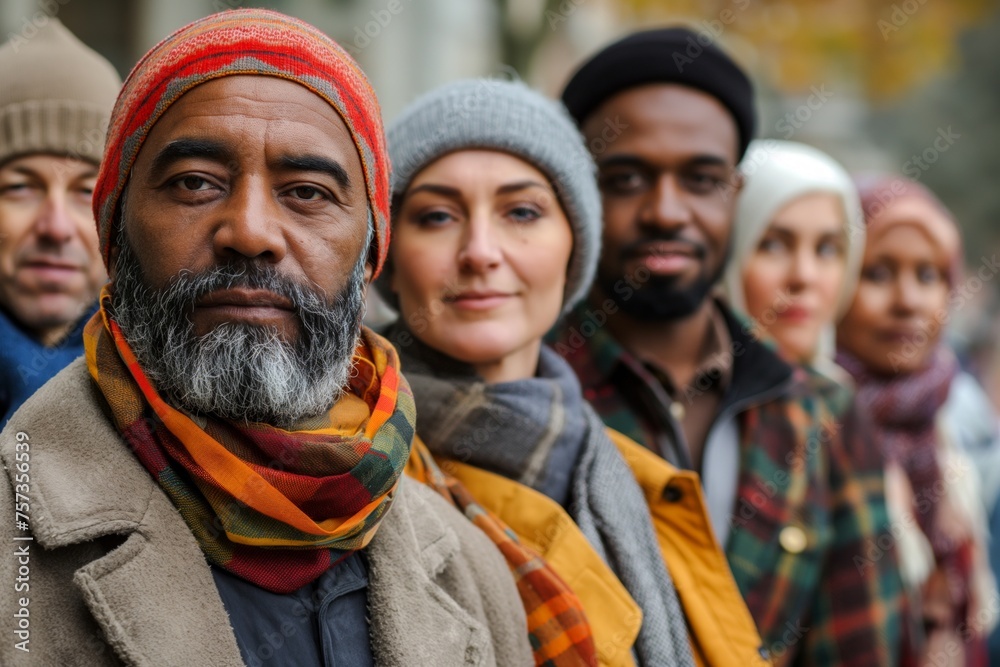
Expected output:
(56, 96)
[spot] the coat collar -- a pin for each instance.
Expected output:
(154, 596)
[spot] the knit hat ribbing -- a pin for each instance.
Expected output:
(56, 96)
(244, 42)
(511, 118)
(665, 55)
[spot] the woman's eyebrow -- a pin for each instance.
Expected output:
(507, 188)
(437, 189)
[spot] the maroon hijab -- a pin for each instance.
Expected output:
(904, 406)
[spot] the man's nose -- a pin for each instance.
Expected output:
(250, 224)
(667, 207)
(55, 223)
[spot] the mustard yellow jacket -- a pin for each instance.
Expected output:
(722, 632)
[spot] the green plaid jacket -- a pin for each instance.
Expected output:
(807, 469)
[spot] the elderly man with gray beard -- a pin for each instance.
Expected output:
(219, 481)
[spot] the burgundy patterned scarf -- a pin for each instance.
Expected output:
(903, 408)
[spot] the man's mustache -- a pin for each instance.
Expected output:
(247, 274)
(639, 247)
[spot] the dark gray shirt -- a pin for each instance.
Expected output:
(323, 623)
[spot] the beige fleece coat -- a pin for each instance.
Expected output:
(114, 576)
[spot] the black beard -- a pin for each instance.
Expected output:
(658, 298)
(239, 371)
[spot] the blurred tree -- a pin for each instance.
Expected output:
(965, 106)
(525, 24)
(889, 46)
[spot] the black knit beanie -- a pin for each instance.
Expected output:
(666, 55)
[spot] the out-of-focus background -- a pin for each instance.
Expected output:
(910, 86)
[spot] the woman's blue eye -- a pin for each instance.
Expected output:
(434, 218)
(771, 245)
(524, 214)
(828, 249)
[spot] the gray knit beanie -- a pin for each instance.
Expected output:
(509, 117)
(56, 96)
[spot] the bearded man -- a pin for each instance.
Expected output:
(219, 481)
(794, 491)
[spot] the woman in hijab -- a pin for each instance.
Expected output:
(796, 249)
(496, 233)
(890, 342)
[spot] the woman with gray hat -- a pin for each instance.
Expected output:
(496, 234)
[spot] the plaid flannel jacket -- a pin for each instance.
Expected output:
(807, 470)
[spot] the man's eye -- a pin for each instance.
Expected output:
(307, 193)
(622, 181)
(16, 189)
(702, 183)
(193, 183)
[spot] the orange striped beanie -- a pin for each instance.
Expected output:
(240, 42)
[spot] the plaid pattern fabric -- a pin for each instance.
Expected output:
(274, 507)
(557, 626)
(807, 465)
(807, 462)
(241, 42)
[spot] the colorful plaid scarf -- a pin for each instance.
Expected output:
(274, 507)
(557, 626)
(465, 419)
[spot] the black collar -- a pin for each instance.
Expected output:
(757, 369)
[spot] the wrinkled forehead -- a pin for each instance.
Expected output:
(255, 109)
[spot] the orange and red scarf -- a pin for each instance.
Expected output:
(274, 507)
(558, 629)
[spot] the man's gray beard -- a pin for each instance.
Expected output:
(239, 371)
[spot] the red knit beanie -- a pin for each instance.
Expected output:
(240, 42)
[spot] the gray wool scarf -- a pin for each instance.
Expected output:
(541, 433)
